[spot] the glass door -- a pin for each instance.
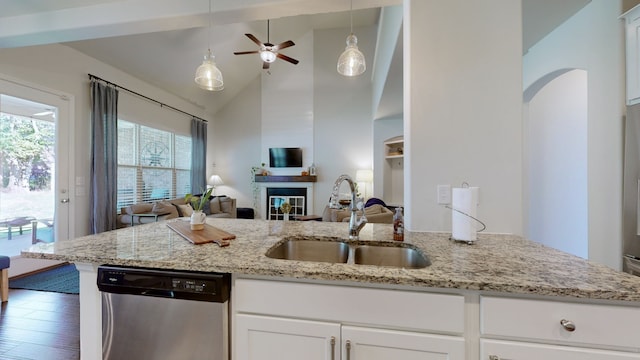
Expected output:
(34, 175)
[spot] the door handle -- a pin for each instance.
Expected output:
(64, 201)
(348, 347)
(333, 347)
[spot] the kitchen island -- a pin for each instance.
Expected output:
(482, 285)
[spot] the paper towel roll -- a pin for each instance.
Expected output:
(464, 200)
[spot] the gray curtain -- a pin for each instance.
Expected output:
(198, 156)
(104, 157)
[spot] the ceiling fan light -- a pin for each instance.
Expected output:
(267, 56)
(208, 76)
(351, 62)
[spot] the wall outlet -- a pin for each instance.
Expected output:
(444, 194)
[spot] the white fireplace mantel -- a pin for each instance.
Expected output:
(262, 213)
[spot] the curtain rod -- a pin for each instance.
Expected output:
(91, 76)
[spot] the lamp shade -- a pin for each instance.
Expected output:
(208, 76)
(351, 62)
(215, 180)
(364, 175)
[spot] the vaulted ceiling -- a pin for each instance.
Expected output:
(162, 43)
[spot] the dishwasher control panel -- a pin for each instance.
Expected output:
(165, 283)
(193, 285)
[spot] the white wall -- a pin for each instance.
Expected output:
(61, 68)
(556, 152)
(463, 109)
(343, 125)
(287, 106)
(593, 40)
(235, 142)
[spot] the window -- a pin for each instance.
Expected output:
(152, 164)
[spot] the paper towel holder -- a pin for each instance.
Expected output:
(469, 242)
(468, 238)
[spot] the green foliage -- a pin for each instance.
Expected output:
(197, 203)
(26, 147)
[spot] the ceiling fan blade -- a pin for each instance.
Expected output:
(284, 45)
(254, 39)
(265, 65)
(246, 52)
(286, 58)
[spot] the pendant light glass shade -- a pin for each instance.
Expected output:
(351, 62)
(208, 76)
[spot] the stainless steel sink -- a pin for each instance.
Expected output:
(311, 250)
(336, 251)
(396, 256)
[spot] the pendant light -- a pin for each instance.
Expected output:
(351, 62)
(208, 76)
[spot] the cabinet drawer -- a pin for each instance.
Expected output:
(504, 350)
(607, 325)
(346, 304)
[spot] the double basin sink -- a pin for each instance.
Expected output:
(330, 250)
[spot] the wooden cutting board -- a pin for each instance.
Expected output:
(206, 235)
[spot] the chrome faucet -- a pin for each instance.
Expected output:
(355, 225)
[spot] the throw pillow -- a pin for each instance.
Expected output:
(185, 210)
(226, 204)
(214, 205)
(162, 207)
(373, 201)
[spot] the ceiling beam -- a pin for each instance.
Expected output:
(128, 17)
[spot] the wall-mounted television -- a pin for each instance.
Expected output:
(285, 157)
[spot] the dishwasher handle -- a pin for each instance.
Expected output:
(159, 293)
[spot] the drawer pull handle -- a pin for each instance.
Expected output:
(348, 346)
(568, 325)
(333, 347)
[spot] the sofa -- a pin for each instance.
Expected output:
(143, 213)
(376, 213)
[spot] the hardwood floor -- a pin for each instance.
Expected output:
(40, 325)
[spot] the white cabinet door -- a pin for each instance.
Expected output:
(633, 59)
(508, 350)
(271, 338)
(376, 344)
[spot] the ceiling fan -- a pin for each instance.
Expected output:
(269, 52)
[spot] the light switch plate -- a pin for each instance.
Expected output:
(444, 194)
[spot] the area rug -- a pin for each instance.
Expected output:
(63, 279)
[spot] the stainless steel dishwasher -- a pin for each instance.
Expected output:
(157, 314)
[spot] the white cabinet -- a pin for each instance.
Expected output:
(632, 22)
(287, 320)
(274, 338)
(360, 343)
(540, 329)
(511, 350)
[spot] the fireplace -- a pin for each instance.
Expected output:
(276, 189)
(276, 196)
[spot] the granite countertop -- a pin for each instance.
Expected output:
(495, 263)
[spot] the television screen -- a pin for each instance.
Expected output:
(285, 157)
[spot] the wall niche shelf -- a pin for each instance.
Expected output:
(286, 178)
(394, 147)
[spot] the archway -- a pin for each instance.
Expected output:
(555, 150)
